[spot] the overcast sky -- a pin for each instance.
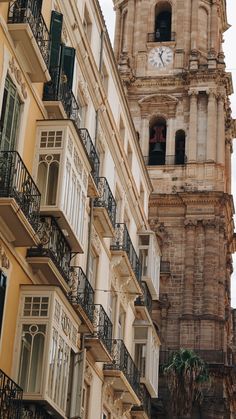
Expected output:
(230, 53)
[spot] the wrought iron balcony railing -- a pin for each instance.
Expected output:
(57, 89)
(10, 398)
(102, 326)
(154, 37)
(106, 199)
(91, 151)
(34, 412)
(122, 241)
(53, 245)
(82, 292)
(16, 182)
(27, 11)
(145, 300)
(122, 361)
(145, 398)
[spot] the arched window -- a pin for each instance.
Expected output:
(180, 147)
(163, 22)
(157, 142)
(48, 179)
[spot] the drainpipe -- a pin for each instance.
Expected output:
(95, 143)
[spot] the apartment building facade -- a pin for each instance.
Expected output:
(79, 263)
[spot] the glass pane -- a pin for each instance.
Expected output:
(52, 184)
(42, 181)
(36, 364)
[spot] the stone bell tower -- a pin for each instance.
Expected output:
(171, 61)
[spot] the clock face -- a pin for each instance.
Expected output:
(160, 57)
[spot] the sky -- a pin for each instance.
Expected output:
(230, 57)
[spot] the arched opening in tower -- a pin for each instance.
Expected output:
(157, 142)
(180, 147)
(163, 22)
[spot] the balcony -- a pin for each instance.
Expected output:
(94, 161)
(123, 374)
(31, 38)
(10, 398)
(63, 174)
(128, 263)
(153, 37)
(144, 410)
(149, 255)
(19, 201)
(99, 344)
(105, 209)
(34, 411)
(59, 99)
(143, 303)
(81, 295)
(52, 257)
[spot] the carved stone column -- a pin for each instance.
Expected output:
(228, 152)
(211, 127)
(170, 140)
(144, 135)
(130, 26)
(214, 25)
(192, 142)
(194, 24)
(190, 227)
(209, 300)
(221, 131)
(222, 263)
(117, 39)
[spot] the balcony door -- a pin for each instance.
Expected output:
(10, 116)
(3, 285)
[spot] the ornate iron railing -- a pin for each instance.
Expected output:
(82, 292)
(106, 199)
(102, 326)
(53, 245)
(91, 151)
(122, 361)
(153, 37)
(144, 300)
(16, 182)
(122, 241)
(27, 11)
(57, 89)
(34, 412)
(10, 398)
(145, 398)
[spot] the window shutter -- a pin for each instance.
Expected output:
(55, 31)
(67, 63)
(3, 285)
(9, 116)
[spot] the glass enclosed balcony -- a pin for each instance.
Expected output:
(19, 200)
(149, 255)
(31, 37)
(143, 303)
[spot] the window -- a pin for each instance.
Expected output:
(31, 357)
(87, 24)
(10, 114)
(140, 357)
(93, 264)
(122, 131)
(3, 286)
(157, 142)
(111, 306)
(48, 178)
(121, 324)
(180, 147)
(129, 155)
(85, 401)
(163, 22)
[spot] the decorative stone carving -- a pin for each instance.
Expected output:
(88, 375)
(4, 261)
(18, 76)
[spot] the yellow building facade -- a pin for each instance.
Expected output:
(79, 264)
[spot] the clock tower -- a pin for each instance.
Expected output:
(171, 61)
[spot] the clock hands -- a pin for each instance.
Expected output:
(160, 55)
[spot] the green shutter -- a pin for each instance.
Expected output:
(9, 116)
(55, 31)
(67, 63)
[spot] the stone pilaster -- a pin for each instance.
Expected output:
(214, 25)
(117, 39)
(192, 142)
(221, 131)
(211, 127)
(190, 227)
(209, 268)
(194, 24)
